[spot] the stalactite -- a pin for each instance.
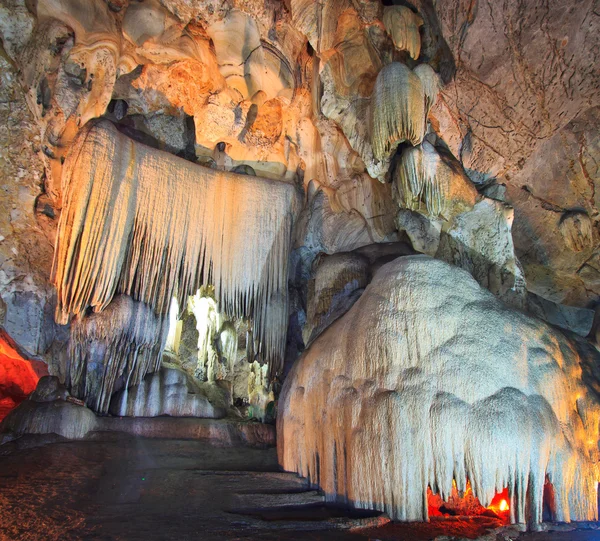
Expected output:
(397, 109)
(147, 224)
(402, 24)
(422, 177)
(431, 85)
(228, 345)
(576, 230)
(125, 340)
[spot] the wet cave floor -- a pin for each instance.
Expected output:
(118, 486)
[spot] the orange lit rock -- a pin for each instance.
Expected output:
(18, 375)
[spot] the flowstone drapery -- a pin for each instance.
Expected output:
(147, 224)
(429, 378)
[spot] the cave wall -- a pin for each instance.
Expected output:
(462, 130)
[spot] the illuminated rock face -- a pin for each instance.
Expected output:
(429, 378)
(149, 225)
(168, 391)
(18, 375)
(400, 124)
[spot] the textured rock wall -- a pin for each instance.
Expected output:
(27, 223)
(522, 110)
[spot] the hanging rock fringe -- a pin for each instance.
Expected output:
(126, 339)
(402, 24)
(431, 85)
(147, 224)
(397, 109)
(430, 379)
(421, 176)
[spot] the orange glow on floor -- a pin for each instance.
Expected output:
(467, 504)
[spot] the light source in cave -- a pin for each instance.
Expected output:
(147, 224)
(465, 503)
(18, 374)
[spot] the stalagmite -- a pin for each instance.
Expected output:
(260, 393)
(168, 391)
(208, 321)
(397, 109)
(147, 224)
(429, 379)
(402, 24)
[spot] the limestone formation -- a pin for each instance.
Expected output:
(398, 111)
(168, 391)
(424, 181)
(120, 344)
(46, 414)
(432, 370)
(467, 243)
(260, 392)
(338, 281)
(576, 229)
(423, 232)
(136, 204)
(96, 49)
(27, 222)
(344, 217)
(403, 26)
(220, 181)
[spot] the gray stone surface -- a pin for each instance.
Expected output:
(169, 391)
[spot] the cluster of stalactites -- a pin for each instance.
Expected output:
(421, 178)
(400, 105)
(123, 341)
(510, 441)
(147, 224)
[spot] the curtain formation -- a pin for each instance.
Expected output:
(144, 223)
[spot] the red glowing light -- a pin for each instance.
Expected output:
(18, 375)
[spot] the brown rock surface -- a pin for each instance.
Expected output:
(522, 107)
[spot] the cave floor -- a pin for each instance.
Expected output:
(118, 486)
